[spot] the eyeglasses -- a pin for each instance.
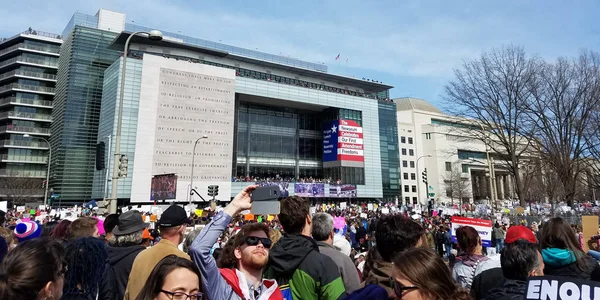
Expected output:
(253, 241)
(399, 289)
(183, 296)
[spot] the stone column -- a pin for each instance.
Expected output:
(500, 185)
(485, 190)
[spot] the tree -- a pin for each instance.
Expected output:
(456, 186)
(20, 189)
(565, 96)
(493, 93)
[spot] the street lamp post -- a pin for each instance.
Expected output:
(191, 194)
(154, 35)
(48, 163)
(418, 183)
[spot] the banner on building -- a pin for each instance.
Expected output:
(163, 187)
(342, 191)
(343, 141)
(553, 287)
(310, 190)
(483, 227)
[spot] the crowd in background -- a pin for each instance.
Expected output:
(302, 253)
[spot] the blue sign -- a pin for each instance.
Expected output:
(330, 141)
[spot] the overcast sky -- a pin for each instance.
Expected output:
(412, 45)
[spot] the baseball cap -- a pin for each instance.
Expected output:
(519, 232)
(146, 234)
(175, 215)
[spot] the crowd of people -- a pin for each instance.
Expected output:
(302, 253)
(284, 179)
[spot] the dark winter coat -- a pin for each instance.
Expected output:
(510, 290)
(120, 261)
(591, 270)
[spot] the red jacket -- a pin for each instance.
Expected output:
(237, 281)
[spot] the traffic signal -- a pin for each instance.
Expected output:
(123, 162)
(213, 190)
(100, 156)
(44, 184)
(424, 175)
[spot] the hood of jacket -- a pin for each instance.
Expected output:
(118, 254)
(380, 273)
(289, 252)
(557, 257)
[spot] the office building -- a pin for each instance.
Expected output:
(28, 67)
(441, 144)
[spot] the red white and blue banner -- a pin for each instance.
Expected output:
(343, 140)
(483, 227)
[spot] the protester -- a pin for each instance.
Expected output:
(498, 236)
(125, 239)
(295, 260)
(520, 259)
(489, 279)
(420, 274)
(172, 225)
(83, 227)
(323, 233)
(9, 237)
(251, 249)
(61, 231)
(563, 255)
(86, 258)
(34, 270)
(189, 239)
(3, 249)
(48, 228)
(394, 233)
(147, 238)
(172, 278)
(110, 222)
(471, 261)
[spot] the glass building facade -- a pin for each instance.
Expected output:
(84, 57)
(388, 143)
(28, 67)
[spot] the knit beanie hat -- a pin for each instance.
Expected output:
(27, 230)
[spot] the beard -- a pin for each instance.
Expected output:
(255, 260)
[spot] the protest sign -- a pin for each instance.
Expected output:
(270, 217)
(565, 288)
(385, 211)
(248, 217)
(259, 219)
(339, 223)
(363, 215)
(483, 227)
(343, 205)
(4, 206)
(370, 206)
(20, 208)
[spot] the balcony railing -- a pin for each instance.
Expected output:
(24, 158)
(23, 173)
(39, 75)
(23, 115)
(32, 32)
(22, 192)
(30, 144)
(43, 62)
(12, 86)
(30, 47)
(18, 100)
(7, 128)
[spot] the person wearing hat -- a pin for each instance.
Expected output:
(172, 224)
(125, 245)
(27, 230)
(493, 278)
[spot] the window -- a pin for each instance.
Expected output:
(403, 140)
(428, 136)
(414, 188)
(412, 164)
(415, 201)
(413, 176)
(404, 164)
(405, 176)
(411, 152)
(465, 168)
(406, 189)
(407, 199)
(403, 151)
(449, 192)
(448, 166)
(410, 140)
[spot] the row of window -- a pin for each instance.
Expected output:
(411, 152)
(407, 200)
(405, 164)
(403, 140)
(408, 188)
(413, 176)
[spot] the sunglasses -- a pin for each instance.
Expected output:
(399, 289)
(253, 241)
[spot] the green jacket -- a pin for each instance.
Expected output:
(302, 272)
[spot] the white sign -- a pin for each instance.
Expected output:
(180, 102)
(363, 215)
(385, 211)
(483, 227)
(370, 206)
(343, 205)
(4, 206)
(20, 208)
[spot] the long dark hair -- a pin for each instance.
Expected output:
(27, 269)
(61, 230)
(156, 280)
(86, 258)
(557, 233)
(427, 271)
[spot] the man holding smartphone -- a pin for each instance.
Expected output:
(251, 249)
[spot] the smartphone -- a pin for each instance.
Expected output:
(265, 200)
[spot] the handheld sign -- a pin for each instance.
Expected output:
(565, 288)
(483, 227)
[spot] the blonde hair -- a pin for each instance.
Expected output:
(274, 235)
